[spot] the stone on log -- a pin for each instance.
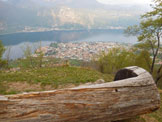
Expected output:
(133, 93)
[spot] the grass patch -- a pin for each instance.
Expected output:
(3, 88)
(54, 76)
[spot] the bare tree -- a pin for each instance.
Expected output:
(40, 54)
(28, 55)
(7, 55)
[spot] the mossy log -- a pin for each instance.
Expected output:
(133, 93)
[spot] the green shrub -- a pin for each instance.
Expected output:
(118, 58)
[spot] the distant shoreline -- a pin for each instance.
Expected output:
(67, 30)
(55, 35)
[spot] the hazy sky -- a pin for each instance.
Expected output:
(125, 1)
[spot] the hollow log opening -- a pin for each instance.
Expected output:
(124, 74)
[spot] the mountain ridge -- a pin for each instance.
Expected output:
(44, 15)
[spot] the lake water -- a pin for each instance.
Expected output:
(17, 42)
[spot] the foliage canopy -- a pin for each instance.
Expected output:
(149, 33)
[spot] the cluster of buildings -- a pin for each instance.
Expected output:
(77, 50)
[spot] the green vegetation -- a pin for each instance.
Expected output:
(52, 76)
(118, 58)
(2, 49)
(149, 34)
(33, 62)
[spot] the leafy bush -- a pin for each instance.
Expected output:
(118, 58)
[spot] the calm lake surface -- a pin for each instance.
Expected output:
(19, 41)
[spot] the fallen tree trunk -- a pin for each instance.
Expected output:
(134, 93)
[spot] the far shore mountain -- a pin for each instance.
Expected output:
(46, 15)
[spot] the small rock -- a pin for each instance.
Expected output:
(99, 81)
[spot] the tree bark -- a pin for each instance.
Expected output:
(133, 93)
(159, 74)
(156, 52)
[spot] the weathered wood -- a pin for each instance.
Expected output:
(136, 94)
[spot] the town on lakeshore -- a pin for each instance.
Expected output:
(77, 50)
